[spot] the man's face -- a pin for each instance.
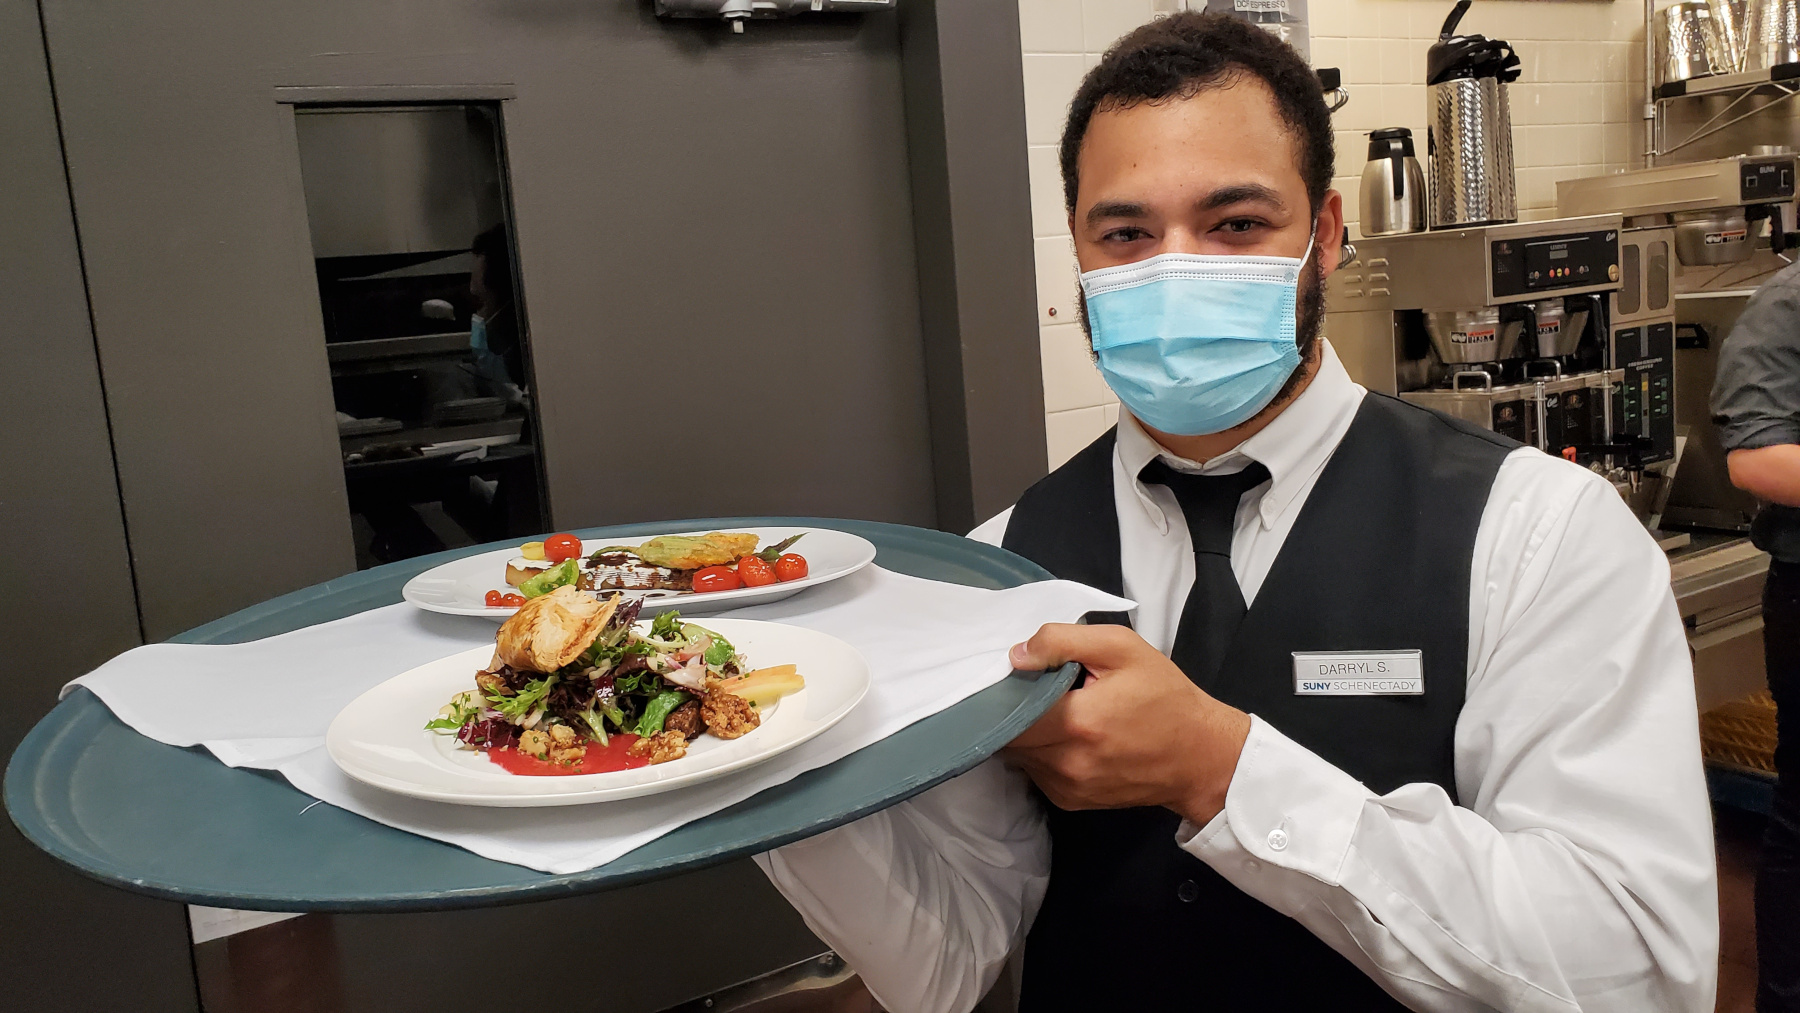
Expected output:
(478, 282)
(1218, 173)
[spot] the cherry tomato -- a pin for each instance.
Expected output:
(790, 567)
(716, 578)
(754, 572)
(512, 600)
(560, 547)
(493, 598)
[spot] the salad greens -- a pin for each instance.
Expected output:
(658, 710)
(462, 708)
(629, 680)
(518, 706)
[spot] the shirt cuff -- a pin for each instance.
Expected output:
(1754, 433)
(1285, 806)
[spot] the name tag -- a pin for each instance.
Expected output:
(1359, 673)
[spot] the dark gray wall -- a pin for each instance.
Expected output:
(637, 946)
(205, 309)
(965, 122)
(715, 240)
(66, 578)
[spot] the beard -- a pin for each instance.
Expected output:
(1309, 318)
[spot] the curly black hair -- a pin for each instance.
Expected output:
(1183, 54)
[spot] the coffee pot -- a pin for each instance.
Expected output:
(1469, 136)
(1393, 185)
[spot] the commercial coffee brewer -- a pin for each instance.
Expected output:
(1698, 238)
(1510, 327)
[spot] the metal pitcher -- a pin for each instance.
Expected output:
(1470, 127)
(1393, 185)
(1774, 34)
(1472, 179)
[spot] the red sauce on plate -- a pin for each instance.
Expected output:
(599, 760)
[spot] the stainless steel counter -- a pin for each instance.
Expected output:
(1718, 582)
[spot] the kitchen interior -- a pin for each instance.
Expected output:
(421, 269)
(1547, 243)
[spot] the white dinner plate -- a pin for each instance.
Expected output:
(460, 586)
(380, 738)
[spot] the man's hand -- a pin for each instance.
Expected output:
(1137, 733)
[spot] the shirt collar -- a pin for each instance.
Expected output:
(1294, 447)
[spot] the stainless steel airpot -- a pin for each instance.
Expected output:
(1469, 132)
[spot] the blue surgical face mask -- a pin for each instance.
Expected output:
(1195, 344)
(477, 332)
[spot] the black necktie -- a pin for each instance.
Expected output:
(1215, 605)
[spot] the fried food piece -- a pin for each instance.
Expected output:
(661, 747)
(562, 735)
(551, 630)
(728, 715)
(533, 742)
(691, 552)
(685, 719)
(491, 682)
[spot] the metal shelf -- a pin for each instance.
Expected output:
(1721, 83)
(391, 348)
(1738, 86)
(1724, 293)
(509, 425)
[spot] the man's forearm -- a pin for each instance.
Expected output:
(1768, 473)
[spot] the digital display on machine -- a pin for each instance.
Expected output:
(1557, 262)
(1578, 261)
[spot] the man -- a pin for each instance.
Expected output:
(1511, 817)
(493, 331)
(1756, 403)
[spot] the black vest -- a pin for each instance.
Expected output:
(1378, 559)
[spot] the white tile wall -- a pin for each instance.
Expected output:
(1050, 81)
(1070, 379)
(1068, 431)
(1575, 113)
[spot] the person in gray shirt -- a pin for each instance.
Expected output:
(1756, 405)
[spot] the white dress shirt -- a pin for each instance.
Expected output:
(1576, 873)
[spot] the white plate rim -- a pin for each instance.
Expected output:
(412, 591)
(579, 789)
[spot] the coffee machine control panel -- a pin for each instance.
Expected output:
(1644, 401)
(1766, 180)
(1546, 265)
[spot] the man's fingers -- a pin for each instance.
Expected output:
(1041, 765)
(1049, 729)
(1099, 647)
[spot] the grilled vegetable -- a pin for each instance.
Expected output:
(690, 552)
(564, 573)
(765, 685)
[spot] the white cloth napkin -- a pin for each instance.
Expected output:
(267, 703)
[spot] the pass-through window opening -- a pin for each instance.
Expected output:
(409, 213)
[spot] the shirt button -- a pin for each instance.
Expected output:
(1188, 892)
(1278, 839)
